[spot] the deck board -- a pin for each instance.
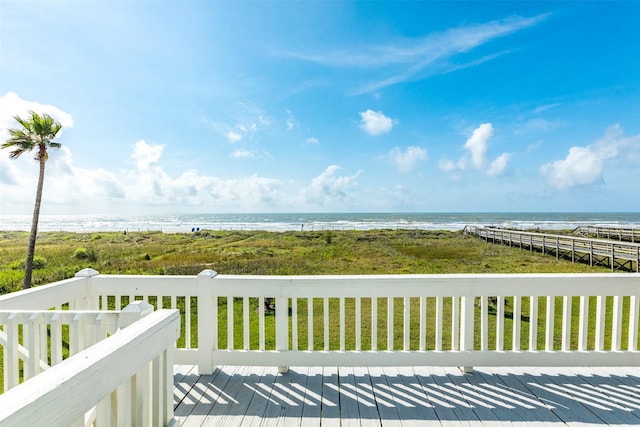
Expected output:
(407, 397)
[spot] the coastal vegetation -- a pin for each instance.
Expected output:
(62, 254)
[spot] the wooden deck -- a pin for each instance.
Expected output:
(419, 396)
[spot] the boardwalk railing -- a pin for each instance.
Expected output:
(381, 320)
(628, 234)
(614, 254)
(85, 367)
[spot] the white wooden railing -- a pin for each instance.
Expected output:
(119, 370)
(381, 320)
(35, 340)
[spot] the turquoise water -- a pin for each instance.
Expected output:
(318, 221)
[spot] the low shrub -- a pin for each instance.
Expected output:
(88, 254)
(39, 262)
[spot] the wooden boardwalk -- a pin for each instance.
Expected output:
(614, 254)
(404, 397)
(628, 234)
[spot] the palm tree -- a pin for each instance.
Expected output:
(37, 133)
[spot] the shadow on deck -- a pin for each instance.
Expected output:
(407, 396)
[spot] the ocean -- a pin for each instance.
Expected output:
(317, 221)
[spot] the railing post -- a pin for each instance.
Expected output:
(86, 302)
(466, 323)
(282, 328)
(134, 312)
(207, 322)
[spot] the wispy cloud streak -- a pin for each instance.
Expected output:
(414, 59)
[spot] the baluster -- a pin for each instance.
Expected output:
(550, 323)
(455, 323)
(484, 323)
(423, 323)
(374, 323)
(342, 324)
(407, 324)
(500, 323)
(310, 324)
(245, 322)
(187, 322)
(584, 323)
(261, 322)
(634, 308)
(566, 323)
(325, 315)
(294, 324)
(517, 322)
(601, 306)
(11, 359)
(533, 323)
(358, 302)
(32, 339)
(616, 332)
(438, 324)
(230, 343)
(390, 332)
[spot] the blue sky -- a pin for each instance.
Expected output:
(206, 107)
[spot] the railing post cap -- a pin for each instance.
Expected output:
(87, 272)
(133, 312)
(208, 273)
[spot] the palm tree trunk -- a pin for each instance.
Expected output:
(28, 266)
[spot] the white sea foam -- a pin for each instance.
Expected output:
(317, 221)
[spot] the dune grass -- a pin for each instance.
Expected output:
(62, 254)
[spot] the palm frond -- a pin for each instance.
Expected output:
(36, 132)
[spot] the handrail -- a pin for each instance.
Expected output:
(64, 393)
(72, 292)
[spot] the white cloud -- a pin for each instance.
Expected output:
(69, 188)
(586, 165)
(477, 144)
(242, 154)
(312, 141)
(290, 121)
(499, 164)
(406, 161)
(446, 165)
(328, 187)
(375, 122)
(477, 147)
(11, 105)
(414, 59)
(233, 136)
(146, 155)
